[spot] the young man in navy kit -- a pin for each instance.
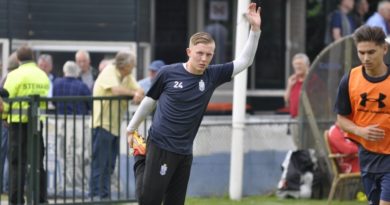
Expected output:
(181, 92)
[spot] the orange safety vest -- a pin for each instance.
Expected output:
(370, 104)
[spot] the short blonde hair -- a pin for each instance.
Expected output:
(201, 37)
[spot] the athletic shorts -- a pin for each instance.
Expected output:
(376, 187)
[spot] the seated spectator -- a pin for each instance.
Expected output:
(381, 18)
(340, 144)
(154, 67)
(70, 85)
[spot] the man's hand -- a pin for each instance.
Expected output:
(130, 139)
(138, 96)
(1, 105)
(371, 132)
(292, 80)
(253, 17)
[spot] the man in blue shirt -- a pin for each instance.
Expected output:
(70, 85)
(381, 18)
(339, 22)
(154, 67)
(181, 93)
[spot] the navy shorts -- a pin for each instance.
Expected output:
(376, 186)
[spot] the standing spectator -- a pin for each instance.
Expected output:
(70, 85)
(114, 80)
(154, 67)
(28, 79)
(381, 18)
(103, 63)
(220, 34)
(339, 23)
(363, 107)
(12, 65)
(360, 11)
(340, 144)
(181, 93)
(301, 65)
(45, 62)
(88, 73)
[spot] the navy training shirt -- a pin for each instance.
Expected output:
(182, 100)
(369, 161)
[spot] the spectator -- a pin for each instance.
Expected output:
(12, 65)
(220, 34)
(340, 144)
(45, 62)
(103, 63)
(114, 80)
(339, 22)
(301, 65)
(27, 79)
(88, 73)
(381, 18)
(70, 85)
(154, 67)
(360, 11)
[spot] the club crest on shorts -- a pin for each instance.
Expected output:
(201, 85)
(163, 169)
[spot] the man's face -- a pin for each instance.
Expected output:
(127, 70)
(300, 67)
(152, 74)
(385, 11)
(200, 56)
(83, 62)
(371, 55)
(348, 4)
(45, 66)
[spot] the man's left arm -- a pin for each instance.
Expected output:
(246, 57)
(131, 88)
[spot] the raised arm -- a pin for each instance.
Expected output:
(247, 55)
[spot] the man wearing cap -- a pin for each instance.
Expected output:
(154, 67)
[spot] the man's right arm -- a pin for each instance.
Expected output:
(145, 108)
(370, 132)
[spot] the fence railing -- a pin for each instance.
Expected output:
(62, 129)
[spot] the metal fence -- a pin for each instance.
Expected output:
(66, 137)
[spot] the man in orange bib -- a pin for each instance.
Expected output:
(363, 110)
